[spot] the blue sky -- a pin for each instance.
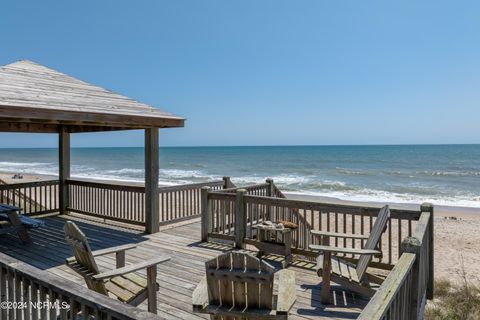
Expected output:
(265, 72)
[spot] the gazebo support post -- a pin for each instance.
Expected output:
(152, 215)
(64, 168)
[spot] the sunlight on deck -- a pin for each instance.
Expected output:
(178, 277)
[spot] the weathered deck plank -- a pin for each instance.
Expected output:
(178, 277)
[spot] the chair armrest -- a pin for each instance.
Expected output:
(339, 235)
(286, 291)
(344, 250)
(131, 268)
(102, 252)
(200, 295)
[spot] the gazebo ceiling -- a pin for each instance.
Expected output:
(34, 98)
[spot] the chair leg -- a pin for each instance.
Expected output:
(152, 289)
(120, 259)
(326, 271)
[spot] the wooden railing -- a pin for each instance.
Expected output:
(109, 201)
(221, 223)
(183, 201)
(222, 204)
(404, 292)
(218, 215)
(391, 301)
(260, 189)
(309, 215)
(30, 293)
(267, 189)
(126, 203)
(34, 198)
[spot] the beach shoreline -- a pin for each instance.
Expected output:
(440, 210)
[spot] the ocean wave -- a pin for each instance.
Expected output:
(350, 172)
(305, 181)
(396, 173)
(325, 185)
(103, 177)
(245, 180)
(451, 173)
(290, 179)
(126, 171)
(185, 174)
(370, 195)
(166, 176)
(4, 164)
(281, 180)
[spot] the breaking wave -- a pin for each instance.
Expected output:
(385, 174)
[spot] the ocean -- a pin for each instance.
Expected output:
(442, 174)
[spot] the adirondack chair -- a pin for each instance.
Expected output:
(344, 273)
(240, 286)
(17, 222)
(121, 283)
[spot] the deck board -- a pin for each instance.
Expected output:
(177, 277)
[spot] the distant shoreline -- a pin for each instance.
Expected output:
(440, 210)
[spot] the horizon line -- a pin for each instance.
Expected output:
(269, 145)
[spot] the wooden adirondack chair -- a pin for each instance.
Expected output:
(121, 283)
(17, 222)
(346, 274)
(240, 286)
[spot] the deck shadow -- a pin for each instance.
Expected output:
(340, 299)
(49, 248)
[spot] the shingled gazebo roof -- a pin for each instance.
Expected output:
(34, 98)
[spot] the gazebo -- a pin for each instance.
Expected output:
(36, 99)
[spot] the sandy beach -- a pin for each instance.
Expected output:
(457, 236)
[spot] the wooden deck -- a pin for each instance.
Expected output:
(178, 277)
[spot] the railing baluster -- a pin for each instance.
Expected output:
(46, 296)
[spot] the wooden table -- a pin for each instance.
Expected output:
(11, 215)
(274, 241)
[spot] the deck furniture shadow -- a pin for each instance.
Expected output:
(122, 283)
(349, 275)
(274, 241)
(240, 286)
(17, 222)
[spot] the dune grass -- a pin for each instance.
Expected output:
(454, 301)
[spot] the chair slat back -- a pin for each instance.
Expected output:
(83, 255)
(240, 280)
(375, 235)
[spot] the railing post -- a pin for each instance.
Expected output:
(152, 200)
(428, 207)
(207, 214)
(64, 168)
(270, 193)
(240, 219)
(413, 245)
(226, 182)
